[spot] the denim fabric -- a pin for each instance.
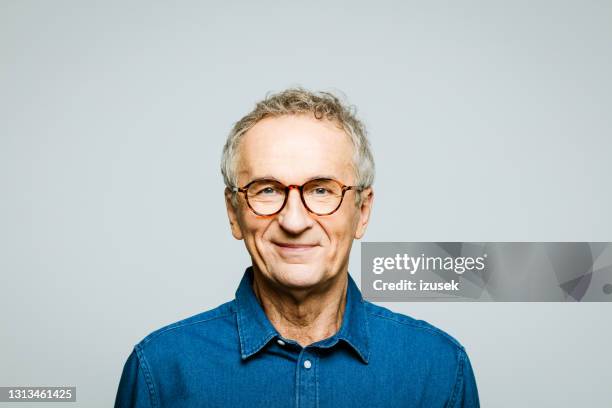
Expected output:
(232, 356)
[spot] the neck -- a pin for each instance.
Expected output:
(307, 315)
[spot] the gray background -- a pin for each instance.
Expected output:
(490, 121)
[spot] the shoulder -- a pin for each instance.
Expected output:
(213, 322)
(417, 333)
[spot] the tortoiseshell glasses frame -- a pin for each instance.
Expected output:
(263, 196)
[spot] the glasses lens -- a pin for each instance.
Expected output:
(322, 196)
(266, 196)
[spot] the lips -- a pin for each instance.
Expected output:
(288, 248)
(296, 246)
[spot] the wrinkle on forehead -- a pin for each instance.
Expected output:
(295, 148)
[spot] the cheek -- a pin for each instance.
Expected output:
(340, 234)
(260, 232)
(253, 228)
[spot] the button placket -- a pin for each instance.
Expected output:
(306, 375)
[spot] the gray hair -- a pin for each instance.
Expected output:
(294, 101)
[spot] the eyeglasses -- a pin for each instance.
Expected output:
(267, 197)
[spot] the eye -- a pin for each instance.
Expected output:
(267, 191)
(322, 189)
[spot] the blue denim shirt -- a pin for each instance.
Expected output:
(232, 356)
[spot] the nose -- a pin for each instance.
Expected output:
(294, 218)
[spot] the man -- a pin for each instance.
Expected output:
(298, 171)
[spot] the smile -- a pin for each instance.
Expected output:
(294, 248)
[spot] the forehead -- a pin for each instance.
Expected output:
(295, 148)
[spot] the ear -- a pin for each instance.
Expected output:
(232, 214)
(367, 199)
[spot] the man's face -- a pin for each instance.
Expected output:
(297, 249)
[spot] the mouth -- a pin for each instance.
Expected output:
(290, 248)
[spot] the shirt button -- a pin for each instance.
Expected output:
(307, 364)
(280, 342)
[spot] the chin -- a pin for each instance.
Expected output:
(298, 275)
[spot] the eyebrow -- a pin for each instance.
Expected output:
(321, 176)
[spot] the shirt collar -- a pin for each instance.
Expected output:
(255, 330)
